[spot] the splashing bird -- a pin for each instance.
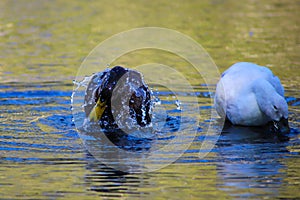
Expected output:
(114, 92)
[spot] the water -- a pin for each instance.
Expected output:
(42, 156)
(43, 43)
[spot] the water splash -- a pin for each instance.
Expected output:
(178, 103)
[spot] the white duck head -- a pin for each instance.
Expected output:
(272, 104)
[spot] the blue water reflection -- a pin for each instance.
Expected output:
(249, 158)
(37, 131)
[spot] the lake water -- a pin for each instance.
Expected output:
(42, 45)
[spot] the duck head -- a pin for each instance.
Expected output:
(273, 105)
(278, 112)
(116, 92)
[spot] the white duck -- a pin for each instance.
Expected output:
(250, 95)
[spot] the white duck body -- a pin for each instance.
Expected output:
(249, 94)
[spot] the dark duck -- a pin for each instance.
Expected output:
(118, 97)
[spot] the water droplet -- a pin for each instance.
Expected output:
(156, 101)
(177, 103)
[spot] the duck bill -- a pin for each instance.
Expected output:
(281, 126)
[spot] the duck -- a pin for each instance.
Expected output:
(116, 91)
(251, 95)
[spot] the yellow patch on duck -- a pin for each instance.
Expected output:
(97, 111)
